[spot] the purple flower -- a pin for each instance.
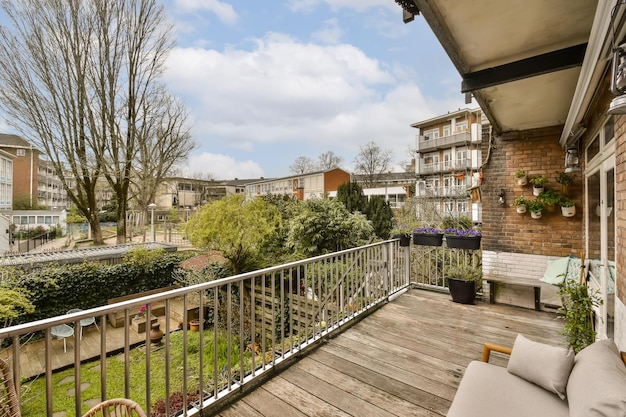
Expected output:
(463, 232)
(431, 230)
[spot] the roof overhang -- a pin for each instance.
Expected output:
(529, 65)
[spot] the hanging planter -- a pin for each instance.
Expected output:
(568, 208)
(520, 205)
(520, 177)
(535, 207)
(427, 236)
(405, 239)
(538, 183)
(463, 238)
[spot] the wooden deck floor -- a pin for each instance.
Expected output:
(406, 359)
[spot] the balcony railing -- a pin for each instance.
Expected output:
(446, 166)
(253, 323)
(424, 145)
(457, 191)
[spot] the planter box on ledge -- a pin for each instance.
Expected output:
(428, 239)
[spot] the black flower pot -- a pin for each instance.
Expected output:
(405, 240)
(428, 239)
(463, 242)
(462, 291)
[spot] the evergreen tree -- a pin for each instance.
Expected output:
(351, 195)
(380, 214)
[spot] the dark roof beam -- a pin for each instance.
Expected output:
(525, 68)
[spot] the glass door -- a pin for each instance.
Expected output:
(601, 242)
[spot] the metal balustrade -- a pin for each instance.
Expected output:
(263, 319)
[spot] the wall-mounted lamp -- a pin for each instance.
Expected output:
(618, 73)
(572, 161)
(501, 197)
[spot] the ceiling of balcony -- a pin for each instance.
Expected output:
(520, 60)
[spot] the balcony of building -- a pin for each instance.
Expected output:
(426, 144)
(349, 330)
(445, 166)
(450, 192)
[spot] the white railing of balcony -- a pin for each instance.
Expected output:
(263, 318)
(455, 191)
(443, 142)
(428, 264)
(445, 166)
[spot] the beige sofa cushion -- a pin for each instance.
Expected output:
(544, 365)
(597, 383)
(488, 390)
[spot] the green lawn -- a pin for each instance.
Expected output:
(34, 397)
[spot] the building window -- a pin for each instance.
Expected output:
(447, 130)
(21, 152)
(431, 134)
(461, 126)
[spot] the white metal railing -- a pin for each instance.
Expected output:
(260, 319)
(444, 166)
(428, 265)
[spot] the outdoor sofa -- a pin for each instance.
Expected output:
(542, 380)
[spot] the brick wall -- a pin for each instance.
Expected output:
(22, 174)
(506, 231)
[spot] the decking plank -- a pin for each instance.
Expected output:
(407, 358)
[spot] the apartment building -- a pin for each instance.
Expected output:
(25, 167)
(394, 187)
(302, 186)
(50, 190)
(448, 158)
(181, 192)
(6, 180)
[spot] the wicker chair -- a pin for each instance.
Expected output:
(116, 407)
(9, 406)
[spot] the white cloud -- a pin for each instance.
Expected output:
(222, 166)
(307, 6)
(330, 33)
(283, 96)
(224, 11)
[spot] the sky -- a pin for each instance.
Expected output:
(268, 81)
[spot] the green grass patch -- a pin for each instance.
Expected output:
(34, 392)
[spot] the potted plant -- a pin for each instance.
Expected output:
(549, 198)
(403, 233)
(538, 183)
(535, 207)
(427, 236)
(565, 180)
(520, 204)
(462, 280)
(463, 238)
(521, 177)
(568, 207)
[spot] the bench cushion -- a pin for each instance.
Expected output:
(544, 365)
(597, 384)
(490, 390)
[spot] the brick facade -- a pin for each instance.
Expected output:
(506, 231)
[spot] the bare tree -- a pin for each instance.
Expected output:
(302, 165)
(372, 161)
(81, 78)
(329, 160)
(167, 142)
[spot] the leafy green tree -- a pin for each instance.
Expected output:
(324, 225)
(236, 227)
(380, 214)
(351, 195)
